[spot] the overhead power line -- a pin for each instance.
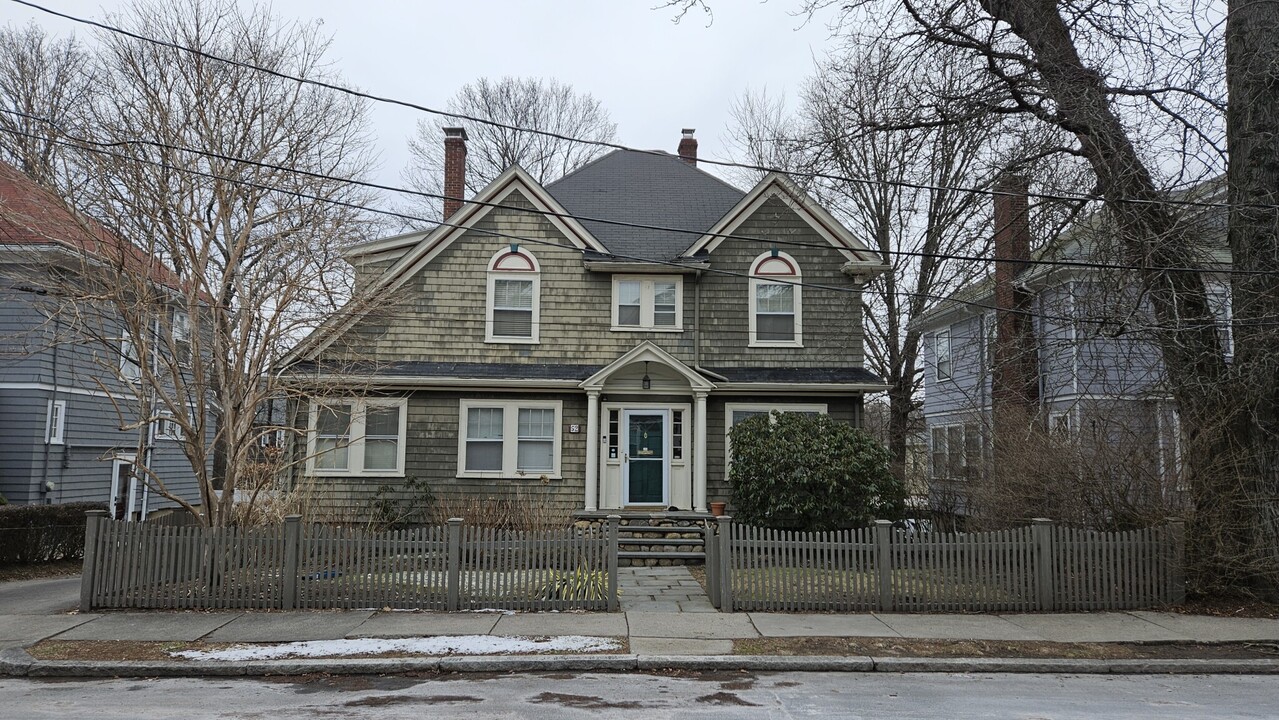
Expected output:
(81, 141)
(611, 145)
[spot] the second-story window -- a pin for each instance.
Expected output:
(513, 297)
(941, 352)
(647, 303)
(775, 298)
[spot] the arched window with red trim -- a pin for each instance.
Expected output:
(513, 297)
(775, 298)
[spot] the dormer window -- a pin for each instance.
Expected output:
(513, 302)
(652, 303)
(775, 298)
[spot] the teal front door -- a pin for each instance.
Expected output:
(646, 460)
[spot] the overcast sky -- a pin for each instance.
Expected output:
(654, 76)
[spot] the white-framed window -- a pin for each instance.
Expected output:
(776, 317)
(651, 303)
(515, 438)
(737, 412)
(1220, 306)
(956, 450)
(941, 354)
(1061, 423)
(166, 427)
(130, 367)
(55, 424)
(181, 335)
(514, 303)
(358, 436)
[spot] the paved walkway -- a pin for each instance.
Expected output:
(650, 632)
(661, 589)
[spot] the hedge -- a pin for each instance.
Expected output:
(42, 533)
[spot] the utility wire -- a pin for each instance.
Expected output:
(538, 241)
(608, 221)
(617, 146)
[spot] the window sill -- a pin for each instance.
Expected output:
(511, 341)
(503, 475)
(350, 474)
(638, 329)
(776, 344)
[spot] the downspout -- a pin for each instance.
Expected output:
(45, 490)
(697, 331)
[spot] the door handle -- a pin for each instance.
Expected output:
(626, 457)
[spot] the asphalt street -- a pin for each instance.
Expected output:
(46, 596)
(710, 695)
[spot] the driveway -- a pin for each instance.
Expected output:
(47, 596)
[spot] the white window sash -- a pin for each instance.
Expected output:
(647, 303)
(356, 437)
(56, 422)
(797, 303)
(511, 439)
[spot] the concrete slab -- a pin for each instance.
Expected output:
(697, 606)
(956, 627)
(402, 625)
(607, 624)
(289, 627)
(708, 626)
(651, 606)
(1093, 627)
(677, 646)
(787, 625)
(1205, 628)
(150, 627)
(18, 630)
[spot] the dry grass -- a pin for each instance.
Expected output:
(36, 571)
(901, 647)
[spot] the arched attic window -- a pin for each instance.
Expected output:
(775, 298)
(513, 297)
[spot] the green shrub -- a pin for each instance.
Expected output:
(41, 533)
(809, 472)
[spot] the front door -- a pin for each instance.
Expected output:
(647, 463)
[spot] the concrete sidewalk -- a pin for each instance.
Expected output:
(649, 632)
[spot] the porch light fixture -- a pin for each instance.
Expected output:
(646, 383)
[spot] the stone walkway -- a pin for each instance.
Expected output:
(661, 589)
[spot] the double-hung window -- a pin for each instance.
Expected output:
(130, 365)
(941, 353)
(509, 438)
(358, 436)
(956, 451)
(181, 333)
(513, 298)
(55, 426)
(647, 303)
(775, 302)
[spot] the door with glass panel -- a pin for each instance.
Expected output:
(646, 465)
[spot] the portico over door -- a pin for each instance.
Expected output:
(646, 464)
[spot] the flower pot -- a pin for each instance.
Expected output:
(717, 508)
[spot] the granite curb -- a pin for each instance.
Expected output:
(16, 662)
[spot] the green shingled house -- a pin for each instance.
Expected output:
(595, 337)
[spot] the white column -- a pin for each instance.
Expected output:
(592, 449)
(699, 454)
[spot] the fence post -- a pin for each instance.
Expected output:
(724, 561)
(453, 574)
(89, 571)
(611, 534)
(884, 563)
(1045, 578)
(1177, 538)
(712, 563)
(292, 543)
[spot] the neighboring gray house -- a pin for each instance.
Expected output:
(1066, 343)
(570, 340)
(64, 407)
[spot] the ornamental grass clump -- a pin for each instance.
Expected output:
(811, 473)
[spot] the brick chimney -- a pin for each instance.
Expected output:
(688, 147)
(1015, 376)
(454, 170)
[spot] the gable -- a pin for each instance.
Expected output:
(776, 188)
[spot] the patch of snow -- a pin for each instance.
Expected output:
(441, 645)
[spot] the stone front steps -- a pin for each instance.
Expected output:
(654, 539)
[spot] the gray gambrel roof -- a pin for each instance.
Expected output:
(648, 189)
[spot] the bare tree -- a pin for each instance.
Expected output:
(226, 189)
(1141, 87)
(42, 78)
(531, 103)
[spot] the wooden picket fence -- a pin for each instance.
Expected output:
(452, 567)
(1043, 567)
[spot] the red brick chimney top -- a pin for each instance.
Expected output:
(688, 147)
(454, 170)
